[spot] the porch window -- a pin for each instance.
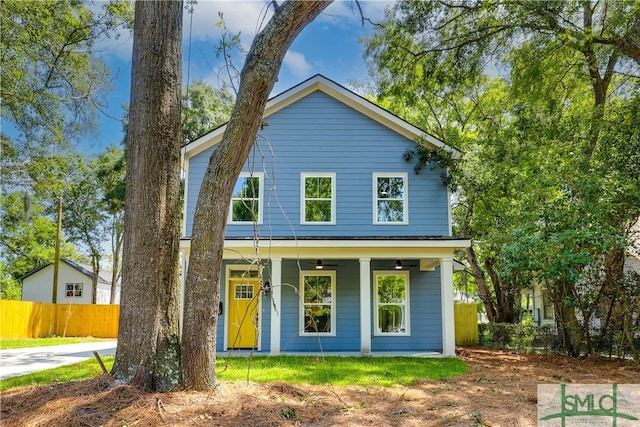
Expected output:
(390, 198)
(391, 296)
(318, 203)
(317, 312)
(246, 205)
(73, 290)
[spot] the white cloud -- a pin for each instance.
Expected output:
(297, 64)
(249, 16)
(246, 17)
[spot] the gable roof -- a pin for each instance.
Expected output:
(87, 270)
(338, 92)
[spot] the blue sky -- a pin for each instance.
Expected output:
(328, 46)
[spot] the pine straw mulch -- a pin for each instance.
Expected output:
(499, 390)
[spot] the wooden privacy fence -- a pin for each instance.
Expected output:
(466, 321)
(26, 319)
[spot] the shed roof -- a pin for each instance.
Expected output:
(87, 270)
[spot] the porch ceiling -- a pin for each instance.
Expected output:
(379, 248)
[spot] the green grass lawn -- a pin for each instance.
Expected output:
(336, 370)
(362, 371)
(41, 342)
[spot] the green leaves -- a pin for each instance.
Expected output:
(92, 191)
(204, 108)
(52, 82)
(27, 240)
(542, 99)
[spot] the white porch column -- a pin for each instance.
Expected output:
(365, 306)
(446, 299)
(276, 304)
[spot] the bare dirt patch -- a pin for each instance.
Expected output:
(499, 390)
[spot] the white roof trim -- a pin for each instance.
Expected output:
(333, 89)
(350, 243)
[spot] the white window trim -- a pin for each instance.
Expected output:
(260, 176)
(407, 303)
(301, 330)
(405, 200)
(304, 175)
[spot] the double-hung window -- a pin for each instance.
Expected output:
(246, 200)
(391, 295)
(318, 198)
(317, 311)
(390, 198)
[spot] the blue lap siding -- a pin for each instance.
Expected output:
(320, 134)
(426, 314)
(347, 337)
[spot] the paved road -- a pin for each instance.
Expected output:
(26, 360)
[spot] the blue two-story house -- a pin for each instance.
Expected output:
(334, 243)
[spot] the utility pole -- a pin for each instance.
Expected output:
(56, 261)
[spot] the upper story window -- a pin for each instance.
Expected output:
(246, 200)
(318, 198)
(317, 311)
(390, 198)
(391, 302)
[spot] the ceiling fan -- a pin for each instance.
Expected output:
(319, 265)
(399, 265)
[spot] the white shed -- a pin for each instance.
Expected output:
(74, 284)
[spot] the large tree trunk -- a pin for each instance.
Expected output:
(148, 351)
(257, 79)
(483, 288)
(568, 325)
(506, 295)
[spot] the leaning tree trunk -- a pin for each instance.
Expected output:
(568, 325)
(257, 79)
(483, 288)
(506, 295)
(148, 351)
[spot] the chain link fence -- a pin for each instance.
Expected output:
(545, 339)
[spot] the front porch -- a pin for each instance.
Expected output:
(280, 329)
(251, 353)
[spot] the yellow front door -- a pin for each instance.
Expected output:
(243, 313)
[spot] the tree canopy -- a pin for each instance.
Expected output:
(53, 80)
(537, 95)
(204, 109)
